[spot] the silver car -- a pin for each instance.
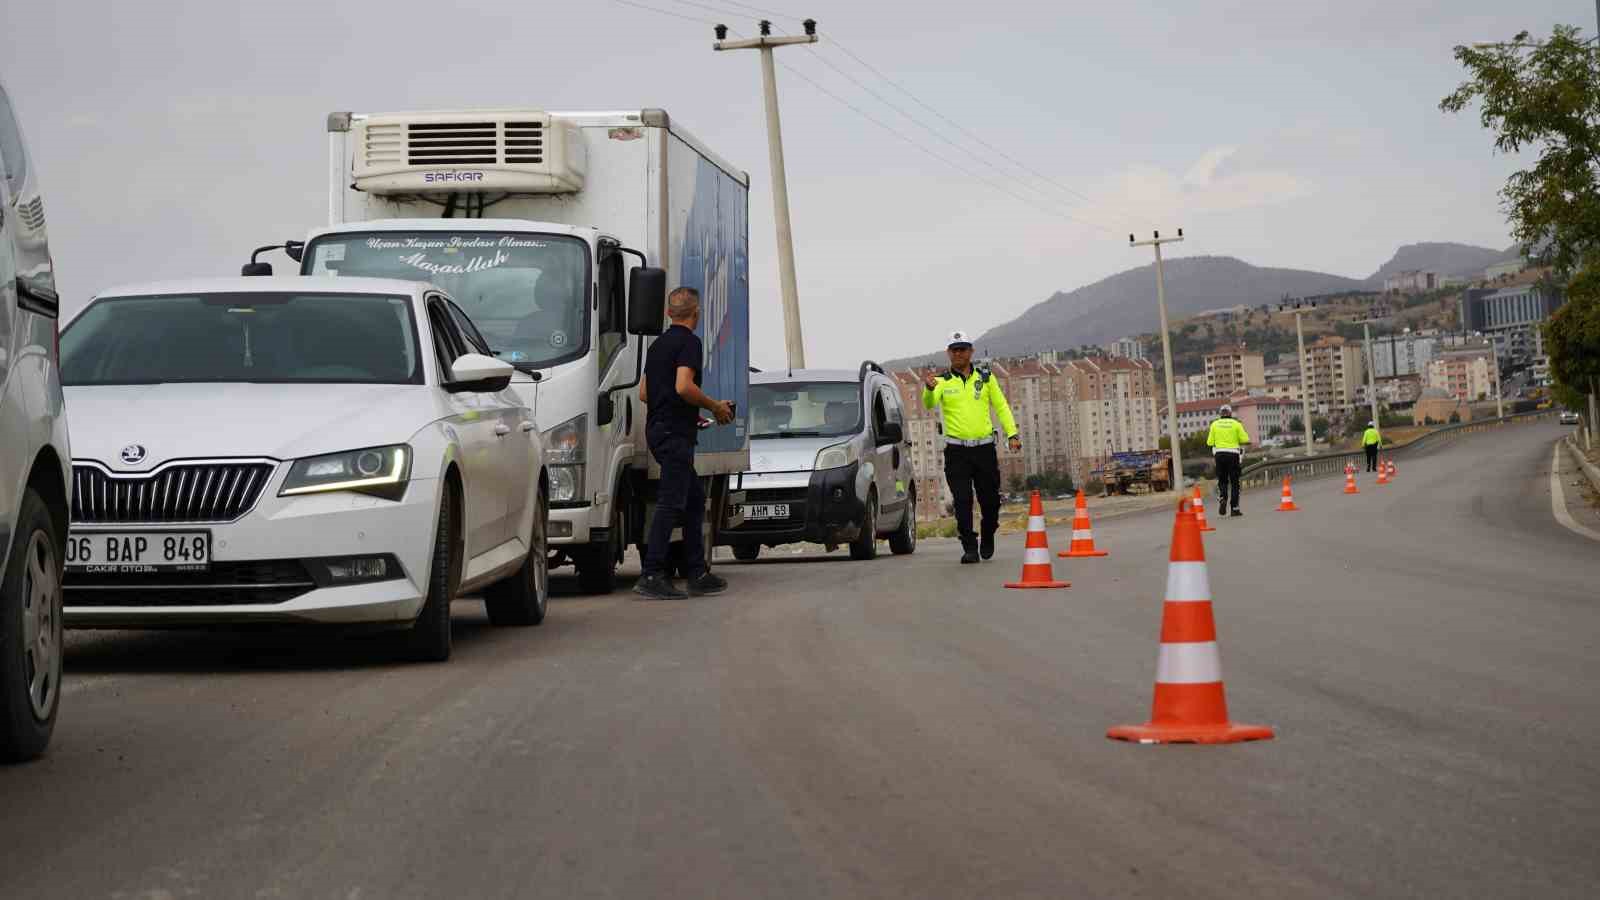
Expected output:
(829, 464)
(34, 460)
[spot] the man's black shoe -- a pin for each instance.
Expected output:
(657, 587)
(1237, 513)
(986, 545)
(969, 557)
(1222, 508)
(706, 585)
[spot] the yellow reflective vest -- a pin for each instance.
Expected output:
(1227, 434)
(965, 404)
(1371, 438)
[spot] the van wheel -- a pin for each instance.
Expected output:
(865, 546)
(523, 598)
(746, 552)
(30, 634)
(904, 540)
(429, 637)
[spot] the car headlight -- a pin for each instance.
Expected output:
(564, 450)
(838, 455)
(379, 471)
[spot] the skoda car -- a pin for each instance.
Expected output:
(829, 464)
(324, 450)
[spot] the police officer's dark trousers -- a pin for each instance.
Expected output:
(1228, 466)
(1372, 457)
(680, 501)
(969, 469)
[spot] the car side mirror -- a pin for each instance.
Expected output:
(476, 373)
(890, 433)
(255, 269)
(647, 300)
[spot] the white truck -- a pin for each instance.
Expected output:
(530, 220)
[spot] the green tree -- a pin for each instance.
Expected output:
(1544, 97)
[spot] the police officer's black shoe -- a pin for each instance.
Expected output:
(1237, 513)
(986, 545)
(970, 556)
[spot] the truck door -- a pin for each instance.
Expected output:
(616, 366)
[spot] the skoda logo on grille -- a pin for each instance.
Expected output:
(133, 454)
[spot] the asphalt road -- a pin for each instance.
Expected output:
(1429, 652)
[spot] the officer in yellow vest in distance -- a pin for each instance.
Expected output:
(964, 396)
(1227, 439)
(1372, 441)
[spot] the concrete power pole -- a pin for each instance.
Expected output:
(1166, 352)
(780, 183)
(1305, 384)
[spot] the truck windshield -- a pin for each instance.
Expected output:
(278, 338)
(805, 409)
(527, 293)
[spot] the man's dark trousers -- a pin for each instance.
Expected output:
(680, 500)
(966, 469)
(1228, 465)
(1372, 457)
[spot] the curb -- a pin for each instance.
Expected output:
(1590, 470)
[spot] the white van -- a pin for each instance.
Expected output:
(35, 461)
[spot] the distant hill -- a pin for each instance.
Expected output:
(1125, 304)
(1446, 259)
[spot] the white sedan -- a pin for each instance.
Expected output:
(323, 450)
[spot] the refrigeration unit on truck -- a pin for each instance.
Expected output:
(557, 234)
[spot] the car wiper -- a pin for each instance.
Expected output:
(784, 434)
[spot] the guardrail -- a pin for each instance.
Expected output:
(1271, 472)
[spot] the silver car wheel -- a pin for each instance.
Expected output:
(41, 624)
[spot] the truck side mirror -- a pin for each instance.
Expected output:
(295, 250)
(890, 433)
(252, 269)
(647, 300)
(606, 410)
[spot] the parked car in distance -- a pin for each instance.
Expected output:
(1568, 417)
(35, 477)
(325, 450)
(829, 464)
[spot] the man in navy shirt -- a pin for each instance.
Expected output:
(671, 393)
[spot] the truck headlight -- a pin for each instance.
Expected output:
(565, 449)
(837, 456)
(380, 471)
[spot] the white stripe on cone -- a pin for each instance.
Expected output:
(1190, 663)
(1187, 582)
(1036, 523)
(1036, 556)
(1083, 534)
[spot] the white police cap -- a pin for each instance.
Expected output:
(959, 339)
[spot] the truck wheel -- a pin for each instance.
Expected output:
(428, 640)
(746, 552)
(597, 566)
(30, 634)
(523, 598)
(904, 540)
(865, 546)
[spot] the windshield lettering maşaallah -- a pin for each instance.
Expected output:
(805, 409)
(280, 338)
(527, 293)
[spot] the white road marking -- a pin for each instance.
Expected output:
(1558, 500)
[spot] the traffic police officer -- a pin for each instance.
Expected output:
(1227, 438)
(964, 395)
(1372, 441)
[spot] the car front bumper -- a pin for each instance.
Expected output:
(825, 507)
(266, 567)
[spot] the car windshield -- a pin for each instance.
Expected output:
(805, 409)
(527, 293)
(288, 337)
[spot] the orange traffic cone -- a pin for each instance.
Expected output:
(1036, 570)
(1392, 470)
(1287, 503)
(1383, 471)
(1350, 480)
(1082, 535)
(1190, 706)
(1200, 510)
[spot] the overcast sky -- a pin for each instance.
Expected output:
(173, 137)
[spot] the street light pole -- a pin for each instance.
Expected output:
(1166, 352)
(1305, 386)
(1372, 370)
(780, 183)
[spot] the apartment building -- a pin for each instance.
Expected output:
(1233, 371)
(1116, 403)
(1335, 373)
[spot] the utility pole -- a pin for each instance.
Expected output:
(1372, 363)
(780, 183)
(1166, 352)
(1305, 385)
